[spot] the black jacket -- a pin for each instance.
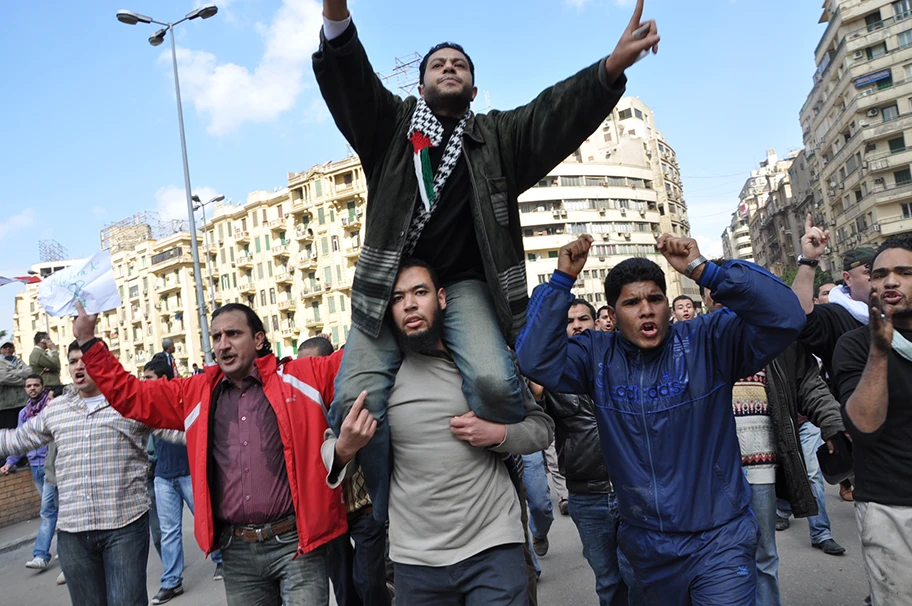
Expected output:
(507, 152)
(576, 439)
(794, 385)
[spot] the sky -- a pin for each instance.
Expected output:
(88, 124)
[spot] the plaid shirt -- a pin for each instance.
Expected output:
(101, 463)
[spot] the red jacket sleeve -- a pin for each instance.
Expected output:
(320, 373)
(157, 404)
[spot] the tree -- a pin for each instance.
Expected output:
(820, 277)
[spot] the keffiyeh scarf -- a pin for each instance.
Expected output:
(33, 407)
(424, 133)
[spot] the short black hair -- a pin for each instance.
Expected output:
(581, 301)
(323, 346)
(636, 269)
(40, 335)
(253, 321)
(35, 375)
(599, 311)
(904, 242)
(160, 366)
(73, 347)
(410, 262)
(422, 67)
(683, 298)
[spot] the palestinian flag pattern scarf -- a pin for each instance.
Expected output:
(427, 132)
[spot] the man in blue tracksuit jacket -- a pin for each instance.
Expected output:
(663, 402)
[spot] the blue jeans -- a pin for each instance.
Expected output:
(818, 525)
(358, 574)
(38, 477)
(106, 567)
(596, 520)
(170, 496)
(474, 339)
(763, 504)
(494, 577)
(269, 573)
(538, 495)
(715, 566)
(48, 522)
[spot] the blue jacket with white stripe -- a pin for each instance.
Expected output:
(665, 414)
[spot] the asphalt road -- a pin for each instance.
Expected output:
(807, 576)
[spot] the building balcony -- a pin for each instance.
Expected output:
(352, 252)
(280, 250)
(309, 292)
(303, 234)
(287, 303)
(172, 263)
(173, 329)
(314, 323)
(289, 330)
(241, 235)
(277, 224)
(245, 261)
(892, 160)
(167, 286)
(306, 262)
(284, 276)
(352, 222)
(894, 225)
(247, 286)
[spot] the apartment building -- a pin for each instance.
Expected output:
(622, 186)
(856, 120)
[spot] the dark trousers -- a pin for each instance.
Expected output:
(358, 573)
(494, 577)
(106, 567)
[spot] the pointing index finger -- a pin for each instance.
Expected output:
(808, 223)
(637, 15)
(359, 404)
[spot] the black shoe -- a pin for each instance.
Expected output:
(782, 523)
(829, 547)
(219, 575)
(564, 507)
(165, 595)
(540, 546)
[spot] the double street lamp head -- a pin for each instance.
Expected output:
(158, 37)
(131, 18)
(204, 12)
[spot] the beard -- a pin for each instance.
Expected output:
(452, 102)
(424, 342)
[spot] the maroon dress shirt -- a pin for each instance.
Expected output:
(249, 479)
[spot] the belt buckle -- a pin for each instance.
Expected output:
(259, 535)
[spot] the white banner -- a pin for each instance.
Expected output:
(89, 281)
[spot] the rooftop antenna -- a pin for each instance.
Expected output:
(404, 75)
(51, 250)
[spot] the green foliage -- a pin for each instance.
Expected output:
(820, 277)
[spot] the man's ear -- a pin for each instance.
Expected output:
(259, 339)
(441, 298)
(421, 90)
(474, 92)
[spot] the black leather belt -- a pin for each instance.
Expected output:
(257, 533)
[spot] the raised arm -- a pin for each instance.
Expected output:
(813, 244)
(157, 404)
(862, 380)
(545, 355)
(560, 118)
(361, 106)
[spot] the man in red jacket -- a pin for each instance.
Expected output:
(254, 429)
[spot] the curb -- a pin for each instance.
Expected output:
(17, 543)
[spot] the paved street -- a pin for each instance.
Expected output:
(808, 577)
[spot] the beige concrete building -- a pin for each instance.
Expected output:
(856, 120)
(622, 186)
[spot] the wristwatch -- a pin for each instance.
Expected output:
(802, 260)
(694, 265)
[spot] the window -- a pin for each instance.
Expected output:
(266, 241)
(878, 50)
(341, 303)
(890, 113)
(260, 271)
(638, 114)
(275, 323)
(281, 212)
(254, 217)
(332, 216)
(897, 145)
(321, 216)
(221, 232)
(257, 242)
(858, 195)
(316, 309)
(907, 210)
(325, 243)
(851, 165)
(904, 38)
(339, 272)
(272, 298)
(335, 334)
(903, 177)
(901, 9)
(335, 243)
(625, 114)
(318, 188)
(269, 268)
(332, 305)
(262, 297)
(552, 254)
(607, 137)
(328, 274)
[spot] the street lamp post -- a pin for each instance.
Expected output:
(201, 206)
(156, 39)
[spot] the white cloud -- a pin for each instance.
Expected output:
(230, 94)
(17, 222)
(172, 201)
(710, 247)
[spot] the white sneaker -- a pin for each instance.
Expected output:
(61, 580)
(37, 564)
